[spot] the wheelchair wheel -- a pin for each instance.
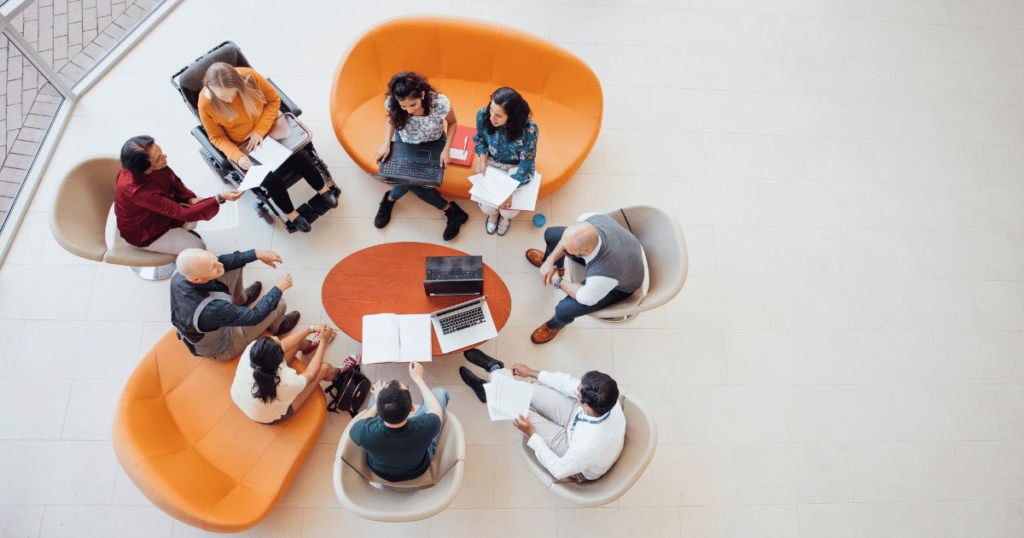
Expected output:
(263, 212)
(212, 163)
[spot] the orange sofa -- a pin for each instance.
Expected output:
(467, 60)
(192, 452)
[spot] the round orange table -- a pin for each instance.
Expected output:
(388, 279)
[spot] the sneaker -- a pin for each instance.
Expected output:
(456, 218)
(490, 226)
(503, 225)
(313, 342)
(474, 383)
(483, 360)
(384, 211)
(349, 364)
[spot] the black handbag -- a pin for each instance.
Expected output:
(348, 392)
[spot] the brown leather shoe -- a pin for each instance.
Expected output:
(543, 334)
(252, 293)
(291, 319)
(536, 258)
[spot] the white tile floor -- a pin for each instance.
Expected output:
(846, 359)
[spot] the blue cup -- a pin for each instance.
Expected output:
(539, 220)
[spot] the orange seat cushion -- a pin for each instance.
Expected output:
(467, 60)
(193, 453)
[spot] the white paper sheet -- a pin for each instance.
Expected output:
(507, 398)
(486, 189)
(225, 219)
(271, 153)
(380, 339)
(254, 177)
(414, 337)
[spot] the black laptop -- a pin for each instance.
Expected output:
(454, 275)
(413, 164)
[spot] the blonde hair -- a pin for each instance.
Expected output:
(223, 76)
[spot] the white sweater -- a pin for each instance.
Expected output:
(594, 442)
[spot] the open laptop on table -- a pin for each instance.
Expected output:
(454, 275)
(463, 325)
(412, 164)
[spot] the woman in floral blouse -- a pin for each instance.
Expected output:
(417, 115)
(505, 138)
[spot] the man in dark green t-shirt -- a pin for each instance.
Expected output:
(400, 447)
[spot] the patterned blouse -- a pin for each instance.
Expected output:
(420, 129)
(497, 145)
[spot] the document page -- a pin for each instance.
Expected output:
(493, 187)
(380, 339)
(507, 398)
(414, 337)
(254, 177)
(225, 219)
(270, 153)
(525, 197)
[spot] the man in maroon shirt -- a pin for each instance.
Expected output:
(155, 210)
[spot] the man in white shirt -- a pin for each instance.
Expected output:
(575, 426)
(614, 268)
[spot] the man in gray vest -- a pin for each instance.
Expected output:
(209, 303)
(614, 263)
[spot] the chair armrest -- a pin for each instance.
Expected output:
(287, 105)
(222, 160)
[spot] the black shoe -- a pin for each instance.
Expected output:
(384, 211)
(474, 383)
(291, 319)
(456, 218)
(483, 360)
(329, 198)
(253, 292)
(301, 224)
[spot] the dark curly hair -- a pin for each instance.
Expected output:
(402, 86)
(516, 108)
(265, 357)
(599, 391)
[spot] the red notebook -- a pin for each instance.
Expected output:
(463, 140)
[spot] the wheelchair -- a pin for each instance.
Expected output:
(189, 82)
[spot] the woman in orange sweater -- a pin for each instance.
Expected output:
(238, 108)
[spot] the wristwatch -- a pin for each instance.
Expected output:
(220, 199)
(558, 283)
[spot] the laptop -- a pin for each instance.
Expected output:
(454, 275)
(412, 164)
(463, 325)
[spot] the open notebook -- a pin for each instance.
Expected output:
(395, 338)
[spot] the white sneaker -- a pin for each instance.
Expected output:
(503, 225)
(491, 226)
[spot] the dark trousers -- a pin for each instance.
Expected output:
(301, 163)
(569, 309)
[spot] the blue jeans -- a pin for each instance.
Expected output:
(442, 397)
(429, 196)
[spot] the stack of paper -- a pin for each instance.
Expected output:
(394, 338)
(523, 198)
(507, 398)
(270, 155)
(225, 219)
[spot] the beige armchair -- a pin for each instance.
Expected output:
(637, 452)
(665, 261)
(78, 220)
(371, 497)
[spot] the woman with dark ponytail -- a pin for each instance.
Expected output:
(267, 390)
(505, 138)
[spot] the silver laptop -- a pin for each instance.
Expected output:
(463, 325)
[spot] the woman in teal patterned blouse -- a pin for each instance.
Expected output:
(505, 138)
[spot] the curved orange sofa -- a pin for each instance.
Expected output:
(194, 454)
(467, 60)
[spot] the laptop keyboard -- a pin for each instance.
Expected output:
(462, 320)
(407, 168)
(452, 275)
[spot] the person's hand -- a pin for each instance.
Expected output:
(231, 196)
(253, 141)
(244, 163)
(507, 204)
(326, 332)
(285, 282)
(383, 152)
(481, 163)
(375, 390)
(446, 157)
(268, 257)
(193, 201)
(548, 272)
(524, 425)
(416, 371)
(523, 370)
